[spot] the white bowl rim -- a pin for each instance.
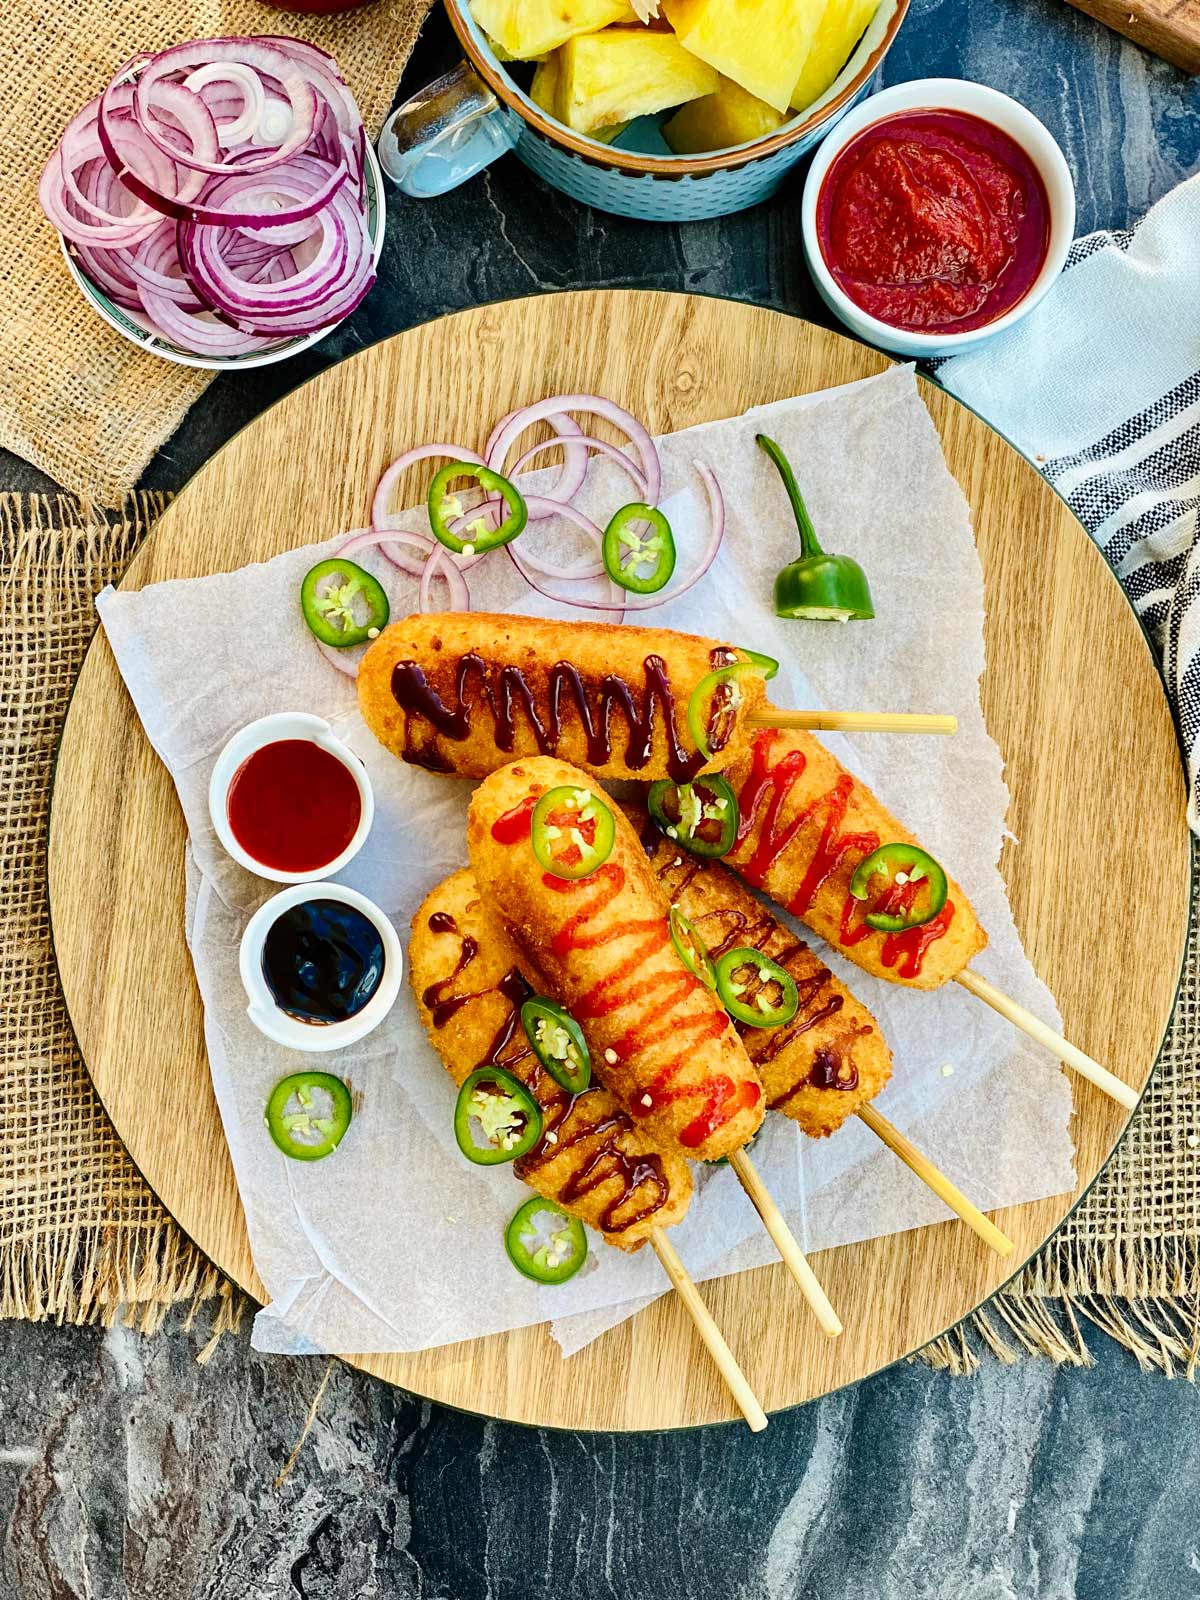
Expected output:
(150, 342)
(256, 735)
(943, 94)
(264, 1010)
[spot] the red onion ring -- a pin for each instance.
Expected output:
(393, 473)
(594, 405)
(602, 445)
(336, 658)
(439, 567)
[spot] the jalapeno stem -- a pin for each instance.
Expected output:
(810, 545)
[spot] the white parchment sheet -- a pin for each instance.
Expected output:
(395, 1242)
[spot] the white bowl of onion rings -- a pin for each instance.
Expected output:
(264, 129)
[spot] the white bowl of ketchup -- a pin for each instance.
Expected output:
(936, 214)
(289, 800)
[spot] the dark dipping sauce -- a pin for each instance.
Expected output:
(293, 806)
(934, 221)
(322, 960)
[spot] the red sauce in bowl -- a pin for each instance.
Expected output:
(934, 221)
(293, 806)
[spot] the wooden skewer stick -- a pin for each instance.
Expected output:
(706, 1327)
(937, 1181)
(1070, 1055)
(855, 721)
(785, 1243)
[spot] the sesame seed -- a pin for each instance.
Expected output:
(610, 1056)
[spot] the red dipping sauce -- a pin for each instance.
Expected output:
(934, 221)
(293, 806)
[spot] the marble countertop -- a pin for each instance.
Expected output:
(128, 1471)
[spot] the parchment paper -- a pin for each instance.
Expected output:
(394, 1243)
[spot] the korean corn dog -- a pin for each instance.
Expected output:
(465, 692)
(601, 944)
(590, 1160)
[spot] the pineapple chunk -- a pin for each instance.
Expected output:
(525, 29)
(839, 31)
(623, 73)
(761, 44)
(543, 91)
(717, 121)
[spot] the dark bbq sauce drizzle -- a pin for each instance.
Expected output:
(506, 690)
(563, 1113)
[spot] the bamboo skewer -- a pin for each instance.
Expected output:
(785, 1243)
(855, 721)
(706, 1327)
(937, 1181)
(1070, 1055)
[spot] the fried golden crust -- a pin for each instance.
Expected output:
(814, 785)
(598, 1166)
(601, 944)
(516, 655)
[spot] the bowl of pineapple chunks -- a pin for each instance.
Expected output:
(667, 110)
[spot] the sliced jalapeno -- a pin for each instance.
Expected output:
(691, 948)
(307, 1114)
(625, 550)
(905, 885)
(756, 990)
(713, 705)
(556, 1039)
(496, 1118)
(447, 513)
(572, 832)
(544, 1243)
(702, 815)
(342, 604)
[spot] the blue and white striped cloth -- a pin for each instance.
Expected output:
(1100, 387)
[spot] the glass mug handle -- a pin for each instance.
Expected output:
(445, 135)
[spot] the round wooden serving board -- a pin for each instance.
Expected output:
(1099, 886)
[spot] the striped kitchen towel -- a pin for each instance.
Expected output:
(1100, 388)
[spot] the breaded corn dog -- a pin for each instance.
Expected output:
(465, 692)
(601, 945)
(591, 1160)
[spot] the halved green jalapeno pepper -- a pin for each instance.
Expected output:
(572, 832)
(691, 948)
(556, 1039)
(821, 587)
(624, 550)
(445, 509)
(307, 1114)
(505, 1113)
(550, 1251)
(343, 604)
(712, 720)
(702, 815)
(772, 991)
(907, 887)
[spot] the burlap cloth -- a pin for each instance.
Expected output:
(82, 1238)
(76, 399)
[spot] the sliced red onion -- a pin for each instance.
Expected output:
(393, 473)
(244, 78)
(594, 405)
(439, 567)
(602, 445)
(337, 658)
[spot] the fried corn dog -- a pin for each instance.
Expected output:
(465, 692)
(591, 1160)
(601, 944)
(804, 825)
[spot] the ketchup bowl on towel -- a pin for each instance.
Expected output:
(935, 215)
(289, 800)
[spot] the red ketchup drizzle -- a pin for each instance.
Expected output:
(514, 825)
(662, 992)
(908, 948)
(293, 806)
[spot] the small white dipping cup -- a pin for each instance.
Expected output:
(942, 94)
(264, 1010)
(270, 730)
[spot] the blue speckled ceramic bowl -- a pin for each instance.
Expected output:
(476, 113)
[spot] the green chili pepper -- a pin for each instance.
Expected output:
(556, 1039)
(761, 1010)
(906, 871)
(691, 948)
(307, 1114)
(702, 816)
(821, 587)
(342, 604)
(551, 1257)
(505, 1113)
(624, 550)
(446, 509)
(572, 832)
(711, 713)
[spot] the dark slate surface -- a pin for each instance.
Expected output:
(128, 1471)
